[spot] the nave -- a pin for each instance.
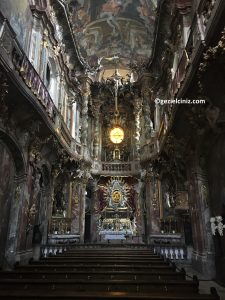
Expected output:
(112, 145)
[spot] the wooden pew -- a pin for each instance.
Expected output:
(88, 268)
(103, 262)
(100, 274)
(64, 295)
(115, 275)
(135, 286)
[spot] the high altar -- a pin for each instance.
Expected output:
(117, 219)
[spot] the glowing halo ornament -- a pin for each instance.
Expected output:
(116, 135)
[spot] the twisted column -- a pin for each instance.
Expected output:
(96, 112)
(137, 113)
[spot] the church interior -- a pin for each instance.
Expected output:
(112, 144)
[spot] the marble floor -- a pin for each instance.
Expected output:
(204, 285)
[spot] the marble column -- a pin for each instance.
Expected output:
(83, 185)
(70, 199)
(75, 208)
(139, 211)
(147, 117)
(96, 141)
(203, 250)
(14, 221)
(152, 205)
(43, 212)
(83, 177)
(94, 214)
(84, 111)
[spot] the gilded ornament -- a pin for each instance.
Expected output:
(116, 196)
(116, 135)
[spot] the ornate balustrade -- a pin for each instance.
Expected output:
(170, 246)
(117, 168)
(114, 167)
(34, 82)
(49, 250)
(172, 252)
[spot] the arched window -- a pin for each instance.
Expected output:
(51, 79)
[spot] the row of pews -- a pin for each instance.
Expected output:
(109, 273)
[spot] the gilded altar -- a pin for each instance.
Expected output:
(117, 220)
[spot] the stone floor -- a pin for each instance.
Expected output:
(204, 285)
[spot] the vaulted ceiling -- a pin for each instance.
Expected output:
(107, 28)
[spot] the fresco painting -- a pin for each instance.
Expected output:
(124, 28)
(20, 17)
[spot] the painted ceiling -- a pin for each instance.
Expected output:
(107, 28)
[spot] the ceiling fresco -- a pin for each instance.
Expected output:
(107, 28)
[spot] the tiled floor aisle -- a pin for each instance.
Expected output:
(204, 286)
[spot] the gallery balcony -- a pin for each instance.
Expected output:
(23, 75)
(207, 15)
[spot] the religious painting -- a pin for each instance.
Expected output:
(105, 28)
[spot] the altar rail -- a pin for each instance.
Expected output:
(171, 251)
(170, 246)
(49, 250)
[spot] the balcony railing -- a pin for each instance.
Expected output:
(34, 82)
(116, 168)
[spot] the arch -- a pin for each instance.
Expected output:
(20, 165)
(52, 80)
